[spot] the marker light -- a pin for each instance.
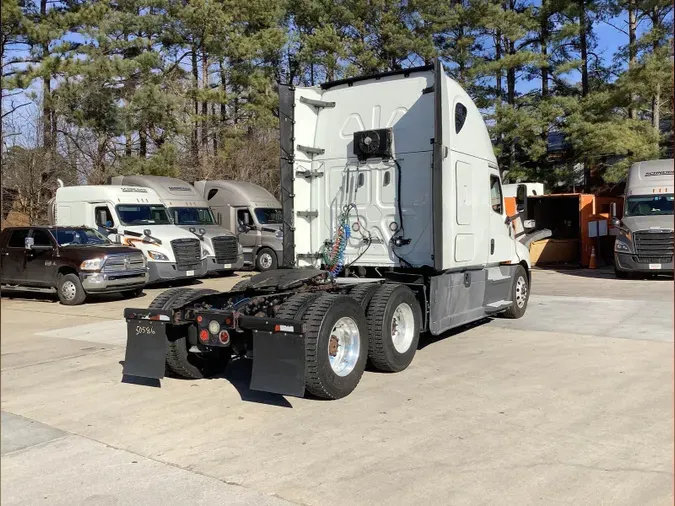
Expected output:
(224, 337)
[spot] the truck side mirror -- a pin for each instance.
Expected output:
(612, 210)
(28, 243)
(243, 228)
(616, 222)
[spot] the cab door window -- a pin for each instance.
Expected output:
(103, 217)
(496, 195)
(41, 239)
(18, 239)
(244, 217)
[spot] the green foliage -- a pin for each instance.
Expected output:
(188, 88)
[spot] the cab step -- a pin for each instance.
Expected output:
(22, 288)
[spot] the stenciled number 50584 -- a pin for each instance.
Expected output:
(144, 330)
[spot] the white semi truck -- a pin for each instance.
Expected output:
(253, 213)
(134, 217)
(394, 225)
(644, 244)
(190, 211)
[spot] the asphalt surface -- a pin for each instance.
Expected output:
(572, 404)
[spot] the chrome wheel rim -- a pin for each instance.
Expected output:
(344, 346)
(265, 260)
(403, 327)
(68, 290)
(521, 291)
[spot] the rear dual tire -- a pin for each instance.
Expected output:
(336, 342)
(180, 361)
(394, 322)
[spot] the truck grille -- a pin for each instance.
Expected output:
(124, 262)
(188, 253)
(225, 249)
(653, 247)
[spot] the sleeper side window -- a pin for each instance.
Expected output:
(212, 193)
(460, 116)
(496, 194)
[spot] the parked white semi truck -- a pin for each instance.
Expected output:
(134, 217)
(644, 244)
(390, 179)
(190, 211)
(253, 213)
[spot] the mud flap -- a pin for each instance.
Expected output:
(146, 349)
(278, 363)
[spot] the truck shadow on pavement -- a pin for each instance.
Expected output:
(238, 373)
(427, 338)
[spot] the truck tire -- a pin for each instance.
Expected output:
(297, 305)
(265, 260)
(132, 294)
(180, 361)
(336, 346)
(70, 290)
(394, 321)
(520, 294)
(240, 285)
(363, 293)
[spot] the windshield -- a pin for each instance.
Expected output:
(80, 236)
(131, 214)
(649, 205)
(192, 215)
(269, 216)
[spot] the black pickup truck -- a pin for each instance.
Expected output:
(72, 262)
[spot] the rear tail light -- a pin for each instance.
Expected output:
(224, 337)
(204, 336)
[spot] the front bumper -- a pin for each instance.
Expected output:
(98, 282)
(278, 345)
(213, 266)
(168, 271)
(627, 262)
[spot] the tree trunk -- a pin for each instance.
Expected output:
(511, 76)
(215, 122)
(498, 56)
(583, 42)
(142, 144)
(47, 114)
(205, 103)
(127, 144)
(632, 53)
(195, 122)
(543, 44)
(656, 99)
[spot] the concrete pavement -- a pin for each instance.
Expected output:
(571, 404)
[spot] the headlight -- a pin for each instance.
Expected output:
(156, 255)
(205, 253)
(621, 246)
(240, 250)
(94, 264)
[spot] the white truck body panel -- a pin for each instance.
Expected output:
(400, 102)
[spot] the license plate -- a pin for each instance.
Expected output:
(189, 273)
(227, 266)
(654, 266)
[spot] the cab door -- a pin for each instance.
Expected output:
(500, 242)
(40, 259)
(249, 237)
(14, 257)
